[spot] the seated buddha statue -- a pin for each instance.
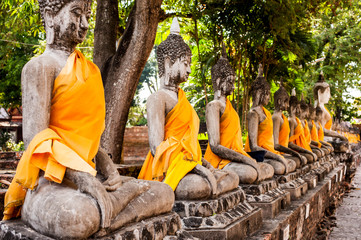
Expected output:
(320, 133)
(281, 127)
(260, 128)
(322, 94)
(65, 187)
(297, 140)
(225, 147)
(175, 156)
(312, 123)
(303, 116)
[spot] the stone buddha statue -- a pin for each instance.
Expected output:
(175, 155)
(304, 116)
(312, 123)
(322, 94)
(225, 148)
(320, 132)
(281, 127)
(74, 189)
(297, 140)
(260, 127)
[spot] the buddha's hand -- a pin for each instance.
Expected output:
(208, 175)
(284, 162)
(343, 138)
(303, 159)
(208, 165)
(260, 175)
(113, 182)
(314, 156)
(88, 184)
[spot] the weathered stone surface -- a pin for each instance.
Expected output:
(296, 188)
(154, 228)
(245, 222)
(206, 208)
(302, 216)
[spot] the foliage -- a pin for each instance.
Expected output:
(7, 144)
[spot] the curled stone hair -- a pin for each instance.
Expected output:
(311, 109)
(222, 69)
(174, 47)
(260, 83)
(303, 105)
(293, 101)
(320, 85)
(281, 93)
(53, 5)
(318, 111)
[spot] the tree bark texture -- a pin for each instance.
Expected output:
(123, 70)
(105, 32)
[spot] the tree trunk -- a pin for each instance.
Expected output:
(105, 32)
(123, 70)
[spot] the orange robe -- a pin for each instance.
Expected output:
(76, 123)
(230, 137)
(321, 134)
(306, 130)
(328, 125)
(265, 134)
(284, 135)
(298, 137)
(314, 135)
(180, 151)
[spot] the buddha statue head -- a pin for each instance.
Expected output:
(321, 90)
(294, 107)
(260, 89)
(312, 112)
(174, 59)
(65, 22)
(281, 98)
(319, 113)
(223, 76)
(304, 110)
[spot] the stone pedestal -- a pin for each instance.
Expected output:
(311, 180)
(296, 188)
(229, 216)
(268, 196)
(155, 228)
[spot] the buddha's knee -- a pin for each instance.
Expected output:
(309, 157)
(193, 187)
(267, 170)
(278, 167)
(163, 194)
(227, 182)
(61, 212)
(291, 165)
(246, 173)
(318, 153)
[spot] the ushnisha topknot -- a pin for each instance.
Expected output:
(321, 84)
(303, 104)
(281, 93)
(174, 47)
(222, 69)
(260, 83)
(53, 5)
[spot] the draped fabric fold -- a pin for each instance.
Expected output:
(328, 125)
(72, 139)
(306, 130)
(284, 135)
(180, 151)
(230, 137)
(320, 133)
(314, 134)
(298, 136)
(265, 134)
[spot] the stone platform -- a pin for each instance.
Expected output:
(227, 217)
(155, 228)
(299, 221)
(268, 196)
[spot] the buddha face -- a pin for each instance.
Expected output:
(227, 85)
(283, 103)
(312, 115)
(179, 71)
(325, 95)
(70, 24)
(265, 96)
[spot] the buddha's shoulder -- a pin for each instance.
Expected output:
(215, 104)
(43, 64)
